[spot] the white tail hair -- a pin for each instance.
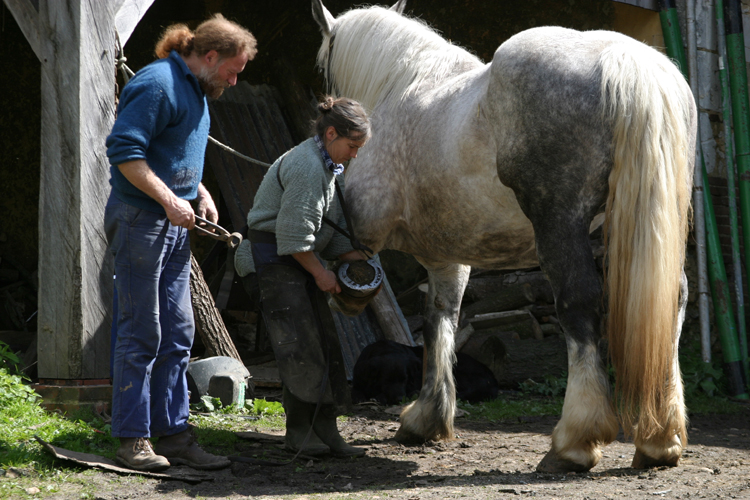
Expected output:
(651, 108)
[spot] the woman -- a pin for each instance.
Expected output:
(286, 232)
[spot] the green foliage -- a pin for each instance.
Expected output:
(700, 377)
(259, 407)
(552, 386)
(8, 358)
(207, 404)
(265, 408)
(13, 389)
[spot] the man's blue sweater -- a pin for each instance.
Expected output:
(162, 118)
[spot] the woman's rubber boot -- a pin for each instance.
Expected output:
(298, 419)
(325, 427)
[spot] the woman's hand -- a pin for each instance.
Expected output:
(326, 281)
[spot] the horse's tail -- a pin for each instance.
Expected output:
(653, 117)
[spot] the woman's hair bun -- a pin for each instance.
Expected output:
(326, 105)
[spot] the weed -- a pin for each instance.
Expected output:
(511, 407)
(552, 386)
(8, 358)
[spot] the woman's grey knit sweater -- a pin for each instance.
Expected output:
(295, 213)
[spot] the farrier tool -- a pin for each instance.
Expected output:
(232, 240)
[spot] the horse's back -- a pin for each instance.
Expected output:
(546, 105)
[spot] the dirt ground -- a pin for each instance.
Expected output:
(487, 460)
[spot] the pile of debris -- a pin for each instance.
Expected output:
(507, 322)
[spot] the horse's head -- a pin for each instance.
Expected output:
(373, 52)
(328, 27)
(326, 21)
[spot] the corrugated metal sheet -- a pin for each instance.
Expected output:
(354, 335)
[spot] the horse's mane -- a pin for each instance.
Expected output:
(377, 52)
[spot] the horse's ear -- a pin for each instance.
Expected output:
(324, 18)
(399, 6)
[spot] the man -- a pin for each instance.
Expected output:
(156, 151)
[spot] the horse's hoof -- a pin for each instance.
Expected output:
(643, 461)
(552, 463)
(407, 437)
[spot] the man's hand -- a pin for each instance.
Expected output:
(206, 206)
(180, 213)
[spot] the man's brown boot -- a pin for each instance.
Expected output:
(182, 449)
(137, 453)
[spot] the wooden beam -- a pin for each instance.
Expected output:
(128, 15)
(27, 18)
(75, 272)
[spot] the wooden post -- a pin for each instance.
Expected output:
(75, 43)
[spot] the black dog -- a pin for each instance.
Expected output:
(390, 372)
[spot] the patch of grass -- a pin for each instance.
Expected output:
(216, 428)
(511, 407)
(22, 418)
(708, 405)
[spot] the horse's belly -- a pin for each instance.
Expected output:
(480, 229)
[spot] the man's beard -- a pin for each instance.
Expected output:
(211, 85)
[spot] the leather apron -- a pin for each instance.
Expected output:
(300, 326)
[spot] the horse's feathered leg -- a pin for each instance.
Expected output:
(588, 418)
(430, 417)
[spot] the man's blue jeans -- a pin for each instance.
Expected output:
(155, 327)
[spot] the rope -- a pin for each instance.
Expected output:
(127, 73)
(236, 153)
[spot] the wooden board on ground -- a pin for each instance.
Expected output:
(266, 375)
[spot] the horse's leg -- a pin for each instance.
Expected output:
(430, 417)
(666, 447)
(588, 418)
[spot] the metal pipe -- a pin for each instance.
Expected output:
(740, 105)
(698, 193)
(670, 26)
(705, 226)
(726, 105)
(723, 313)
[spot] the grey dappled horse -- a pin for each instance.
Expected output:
(503, 166)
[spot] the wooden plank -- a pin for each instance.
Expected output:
(27, 18)
(75, 272)
(389, 316)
